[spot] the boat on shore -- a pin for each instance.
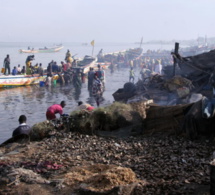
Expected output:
(130, 54)
(20, 80)
(104, 65)
(86, 64)
(42, 50)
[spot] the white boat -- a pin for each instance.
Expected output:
(42, 50)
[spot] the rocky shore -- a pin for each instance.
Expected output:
(73, 163)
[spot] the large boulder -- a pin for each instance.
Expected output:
(123, 94)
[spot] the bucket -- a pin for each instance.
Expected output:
(2, 70)
(42, 83)
(55, 82)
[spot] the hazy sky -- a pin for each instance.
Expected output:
(105, 20)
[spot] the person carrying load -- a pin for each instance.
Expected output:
(68, 57)
(28, 64)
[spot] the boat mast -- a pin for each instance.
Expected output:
(141, 42)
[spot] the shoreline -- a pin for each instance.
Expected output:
(162, 163)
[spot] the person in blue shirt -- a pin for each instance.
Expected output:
(100, 73)
(55, 67)
(14, 71)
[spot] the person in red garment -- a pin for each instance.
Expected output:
(55, 109)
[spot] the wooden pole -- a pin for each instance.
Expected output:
(174, 57)
(141, 42)
(92, 50)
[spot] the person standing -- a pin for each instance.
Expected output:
(97, 89)
(19, 69)
(28, 64)
(7, 64)
(40, 70)
(63, 66)
(74, 64)
(101, 75)
(23, 71)
(49, 68)
(68, 57)
(90, 80)
(55, 109)
(158, 67)
(131, 75)
(23, 127)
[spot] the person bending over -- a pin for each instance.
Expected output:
(55, 109)
(23, 127)
(85, 106)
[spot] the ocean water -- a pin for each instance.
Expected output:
(77, 49)
(34, 100)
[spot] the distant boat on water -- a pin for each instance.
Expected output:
(42, 50)
(195, 50)
(84, 44)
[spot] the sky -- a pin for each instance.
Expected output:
(105, 20)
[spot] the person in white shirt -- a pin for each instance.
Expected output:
(19, 69)
(158, 68)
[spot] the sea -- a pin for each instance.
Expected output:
(33, 101)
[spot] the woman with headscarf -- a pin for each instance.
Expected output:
(97, 89)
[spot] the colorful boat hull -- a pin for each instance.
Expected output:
(20, 80)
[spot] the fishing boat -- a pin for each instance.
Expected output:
(130, 54)
(86, 63)
(20, 80)
(134, 53)
(43, 50)
(104, 65)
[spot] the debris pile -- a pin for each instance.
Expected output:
(110, 118)
(182, 103)
(193, 76)
(162, 163)
(99, 177)
(41, 130)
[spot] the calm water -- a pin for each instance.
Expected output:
(75, 48)
(34, 100)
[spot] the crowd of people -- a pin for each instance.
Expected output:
(51, 114)
(68, 72)
(146, 64)
(95, 85)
